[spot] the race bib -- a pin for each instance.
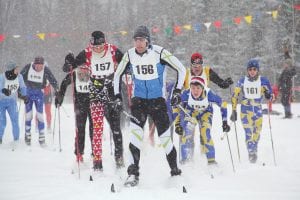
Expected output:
(82, 82)
(252, 89)
(35, 76)
(102, 66)
(145, 67)
(12, 85)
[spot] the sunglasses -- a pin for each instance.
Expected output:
(99, 41)
(197, 62)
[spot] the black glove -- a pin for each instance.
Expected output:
(58, 99)
(226, 127)
(178, 129)
(176, 97)
(117, 104)
(25, 99)
(267, 94)
(6, 91)
(70, 59)
(227, 82)
(233, 116)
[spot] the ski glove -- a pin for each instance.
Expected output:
(267, 95)
(226, 127)
(6, 91)
(176, 99)
(117, 104)
(233, 116)
(227, 82)
(179, 129)
(58, 99)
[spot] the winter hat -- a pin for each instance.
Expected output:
(196, 58)
(253, 63)
(98, 38)
(39, 60)
(143, 32)
(11, 65)
(197, 80)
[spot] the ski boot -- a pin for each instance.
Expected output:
(175, 171)
(211, 163)
(133, 176)
(42, 140)
(28, 139)
(1, 141)
(252, 157)
(131, 181)
(97, 165)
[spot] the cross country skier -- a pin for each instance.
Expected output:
(101, 59)
(197, 102)
(10, 82)
(147, 64)
(197, 69)
(35, 77)
(80, 76)
(253, 87)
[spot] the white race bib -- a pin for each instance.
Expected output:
(12, 85)
(199, 105)
(82, 83)
(35, 76)
(145, 67)
(102, 66)
(252, 89)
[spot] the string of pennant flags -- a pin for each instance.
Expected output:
(168, 31)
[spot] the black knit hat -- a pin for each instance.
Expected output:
(142, 31)
(39, 60)
(98, 38)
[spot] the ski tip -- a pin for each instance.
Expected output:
(91, 178)
(184, 189)
(112, 188)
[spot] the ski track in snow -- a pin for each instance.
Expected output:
(45, 173)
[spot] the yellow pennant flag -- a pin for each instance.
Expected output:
(248, 19)
(123, 32)
(187, 27)
(41, 36)
(274, 14)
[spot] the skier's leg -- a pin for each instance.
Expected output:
(39, 105)
(97, 112)
(28, 119)
(138, 111)
(48, 116)
(81, 117)
(257, 118)
(14, 117)
(158, 112)
(187, 141)
(2, 118)
(113, 119)
(206, 123)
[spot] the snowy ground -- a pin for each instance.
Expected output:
(42, 174)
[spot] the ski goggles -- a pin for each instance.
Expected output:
(98, 41)
(197, 62)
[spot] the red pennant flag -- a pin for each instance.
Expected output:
(53, 35)
(237, 20)
(2, 38)
(218, 24)
(177, 29)
(297, 7)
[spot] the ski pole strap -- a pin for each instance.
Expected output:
(131, 117)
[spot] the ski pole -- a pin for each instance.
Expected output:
(230, 152)
(59, 138)
(110, 138)
(131, 117)
(68, 116)
(191, 119)
(237, 141)
(53, 131)
(271, 137)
